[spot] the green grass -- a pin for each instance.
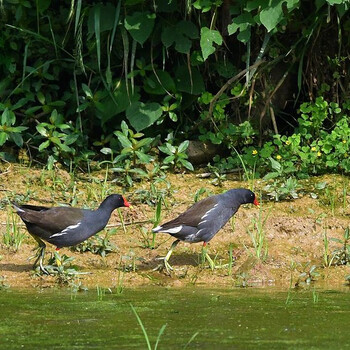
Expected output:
(258, 235)
(13, 235)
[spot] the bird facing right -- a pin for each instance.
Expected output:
(204, 219)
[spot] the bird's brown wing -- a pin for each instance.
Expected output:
(53, 219)
(194, 215)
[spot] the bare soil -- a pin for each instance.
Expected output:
(294, 233)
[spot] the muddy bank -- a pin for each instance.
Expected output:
(295, 232)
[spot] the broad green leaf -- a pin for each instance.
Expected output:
(165, 149)
(187, 164)
(142, 115)
(168, 159)
(70, 139)
(124, 127)
(42, 131)
(106, 150)
(44, 145)
(19, 129)
(17, 138)
(3, 138)
(87, 91)
(180, 34)
(144, 158)
(159, 84)
(208, 38)
(191, 83)
(171, 148)
(8, 117)
(242, 23)
(140, 25)
(275, 165)
(272, 14)
(183, 146)
(41, 98)
(107, 16)
(123, 139)
(56, 140)
(336, 2)
(57, 103)
(144, 142)
(270, 176)
(32, 110)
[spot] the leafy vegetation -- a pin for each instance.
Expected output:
(121, 81)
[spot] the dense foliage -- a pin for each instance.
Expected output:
(264, 79)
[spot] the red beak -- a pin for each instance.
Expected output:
(256, 201)
(126, 203)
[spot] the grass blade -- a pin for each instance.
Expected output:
(161, 331)
(191, 340)
(98, 35)
(142, 327)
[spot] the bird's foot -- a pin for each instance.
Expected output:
(165, 265)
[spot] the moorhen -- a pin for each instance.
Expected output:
(66, 226)
(204, 219)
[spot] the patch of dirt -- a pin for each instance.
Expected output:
(294, 232)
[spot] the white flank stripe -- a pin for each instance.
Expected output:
(207, 213)
(66, 230)
(156, 229)
(173, 230)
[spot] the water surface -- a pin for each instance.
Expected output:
(248, 318)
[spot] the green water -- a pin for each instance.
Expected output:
(224, 319)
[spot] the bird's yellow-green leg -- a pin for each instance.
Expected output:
(205, 256)
(40, 255)
(167, 257)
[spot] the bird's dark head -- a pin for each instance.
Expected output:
(243, 196)
(115, 201)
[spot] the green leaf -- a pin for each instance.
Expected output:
(87, 91)
(180, 34)
(44, 145)
(272, 14)
(42, 131)
(142, 115)
(159, 84)
(41, 98)
(165, 149)
(275, 165)
(183, 146)
(208, 37)
(168, 159)
(3, 138)
(187, 164)
(335, 2)
(125, 142)
(17, 138)
(8, 117)
(191, 83)
(171, 148)
(242, 22)
(270, 176)
(144, 142)
(140, 25)
(144, 158)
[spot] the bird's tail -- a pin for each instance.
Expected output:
(157, 229)
(16, 207)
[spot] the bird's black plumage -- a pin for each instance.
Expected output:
(67, 226)
(205, 218)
